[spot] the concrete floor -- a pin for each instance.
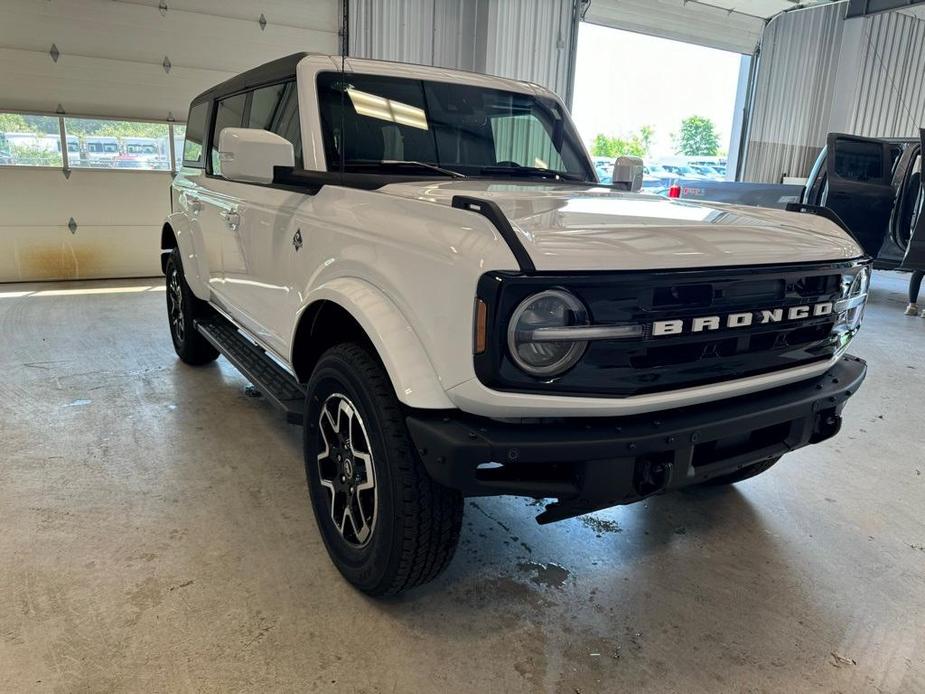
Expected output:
(155, 535)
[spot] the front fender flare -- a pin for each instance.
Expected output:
(414, 378)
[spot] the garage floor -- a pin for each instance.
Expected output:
(156, 535)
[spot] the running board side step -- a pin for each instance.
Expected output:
(272, 380)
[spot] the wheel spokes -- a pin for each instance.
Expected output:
(346, 470)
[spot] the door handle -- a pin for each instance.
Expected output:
(192, 203)
(232, 219)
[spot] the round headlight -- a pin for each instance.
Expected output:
(542, 354)
(854, 302)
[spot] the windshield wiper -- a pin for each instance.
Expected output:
(528, 171)
(403, 164)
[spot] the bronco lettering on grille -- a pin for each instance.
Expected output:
(701, 324)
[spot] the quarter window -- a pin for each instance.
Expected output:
(229, 114)
(194, 135)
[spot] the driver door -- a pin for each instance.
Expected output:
(859, 177)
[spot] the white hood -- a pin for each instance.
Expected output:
(565, 227)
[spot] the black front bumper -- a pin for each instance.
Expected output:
(588, 464)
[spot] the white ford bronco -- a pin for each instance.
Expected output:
(420, 266)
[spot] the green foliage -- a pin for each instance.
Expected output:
(44, 125)
(698, 137)
(635, 145)
(13, 123)
(34, 156)
(84, 127)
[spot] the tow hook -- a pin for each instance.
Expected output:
(827, 425)
(651, 476)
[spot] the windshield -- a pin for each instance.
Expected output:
(375, 121)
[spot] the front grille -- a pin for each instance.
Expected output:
(652, 364)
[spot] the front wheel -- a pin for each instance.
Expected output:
(386, 524)
(182, 308)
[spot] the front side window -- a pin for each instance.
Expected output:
(276, 108)
(229, 113)
(376, 123)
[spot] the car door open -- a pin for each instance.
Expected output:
(860, 191)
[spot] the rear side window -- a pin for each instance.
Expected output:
(859, 161)
(195, 135)
(229, 113)
(276, 108)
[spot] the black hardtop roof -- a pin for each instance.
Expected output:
(274, 71)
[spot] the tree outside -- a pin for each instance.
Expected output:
(635, 145)
(698, 137)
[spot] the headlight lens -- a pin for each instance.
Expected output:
(554, 308)
(851, 308)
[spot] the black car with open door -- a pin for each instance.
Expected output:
(874, 186)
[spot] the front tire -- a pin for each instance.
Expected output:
(182, 309)
(386, 524)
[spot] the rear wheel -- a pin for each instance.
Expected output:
(745, 473)
(386, 524)
(182, 308)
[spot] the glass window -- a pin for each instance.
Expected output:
(229, 113)
(179, 138)
(276, 108)
(194, 135)
(30, 140)
(96, 143)
(858, 161)
(372, 121)
(523, 139)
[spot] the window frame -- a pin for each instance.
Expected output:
(246, 114)
(183, 160)
(580, 151)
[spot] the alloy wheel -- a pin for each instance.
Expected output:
(175, 306)
(345, 468)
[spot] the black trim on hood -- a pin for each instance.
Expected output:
(493, 214)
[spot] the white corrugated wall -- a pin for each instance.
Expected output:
(426, 32)
(819, 73)
(530, 40)
(890, 99)
(793, 93)
(522, 39)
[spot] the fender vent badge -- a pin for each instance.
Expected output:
(297, 240)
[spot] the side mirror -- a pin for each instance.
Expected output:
(627, 172)
(248, 155)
